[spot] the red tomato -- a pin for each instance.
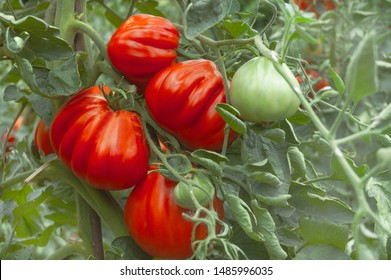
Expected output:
(316, 6)
(142, 46)
(155, 221)
(11, 138)
(182, 99)
(106, 148)
(42, 138)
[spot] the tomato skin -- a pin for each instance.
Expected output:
(108, 149)
(182, 99)
(42, 138)
(261, 94)
(155, 221)
(142, 46)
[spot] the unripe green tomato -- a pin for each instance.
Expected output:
(204, 196)
(261, 94)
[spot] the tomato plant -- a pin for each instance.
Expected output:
(42, 138)
(182, 99)
(156, 222)
(261, 94)
(142, 46)
(106, 148)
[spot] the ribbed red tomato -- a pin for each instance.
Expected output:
(142, 46)
(42, 138)
(107, 148)
(155, 221)
(182, 99)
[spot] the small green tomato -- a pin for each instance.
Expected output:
(202, 189)
(260, 92)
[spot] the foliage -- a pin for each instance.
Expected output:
(314, 186)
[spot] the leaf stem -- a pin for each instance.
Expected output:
(78, 25)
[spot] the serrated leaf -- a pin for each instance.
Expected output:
(338, 82)
(266, 178)
(361, 75)
(204, 14)
(321, 252)
(317, 232)
(267, 227)
(229, 115)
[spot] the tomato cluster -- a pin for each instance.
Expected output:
(181, 98)
(108, 148)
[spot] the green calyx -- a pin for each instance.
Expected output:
(198, 189)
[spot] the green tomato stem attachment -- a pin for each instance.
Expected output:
(197, 187)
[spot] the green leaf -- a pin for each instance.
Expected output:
(297, 161)
(267, 227)
(321, 252)
(277, 135)
(243, 216)
(216, 157)
(314, 202)
(266, 178)
(339, 173)
(337, 80)
(204, 14)
(237, 28)
(149, 7)
(256, 148)
(278, 201)
(127, 249)
(41, 39)
(380, 191)
(210, 160)
(180, 163)
(300, 117)
(317, 232)
(63, 79)
(229, 115)
(382, 121)
(361, 75)
(254, 250)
